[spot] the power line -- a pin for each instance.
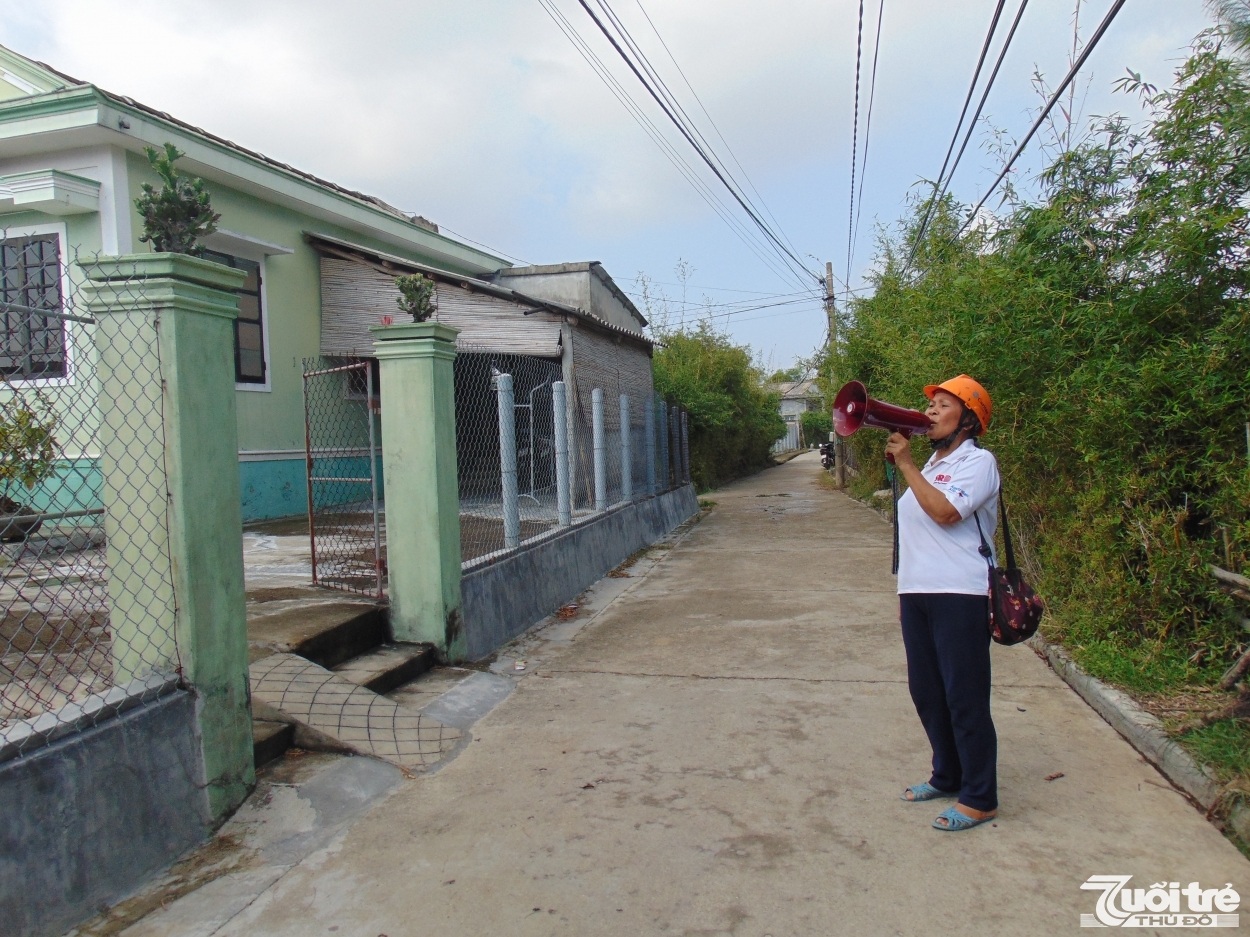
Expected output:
(1089, 47)
(746, 235)
(685, 132)
(850, 221)
(863, 171)
(706, 114)
(984, 94)
(972, 86)
(708, 150)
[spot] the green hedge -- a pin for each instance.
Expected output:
(733, 421)
(1108, 319)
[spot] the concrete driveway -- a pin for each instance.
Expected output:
(721, 752)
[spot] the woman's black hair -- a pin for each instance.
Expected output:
(968, 422)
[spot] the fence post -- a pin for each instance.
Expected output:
(173, 513)
(627, 463)
(662, 431)
(685, 447)
(648, 436)
(415, 361)
(674, 442)
(559, 406)
(601, 451)
(507, 461)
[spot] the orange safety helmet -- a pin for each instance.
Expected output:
(974, 396)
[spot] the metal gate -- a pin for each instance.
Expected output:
(343, 458)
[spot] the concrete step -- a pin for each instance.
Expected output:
(386, 667)
(325, 631)
(270, 740)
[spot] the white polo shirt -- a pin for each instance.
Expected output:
(935, 557)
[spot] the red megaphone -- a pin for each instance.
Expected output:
(853, 408)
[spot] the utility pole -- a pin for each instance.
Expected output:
(839, 469)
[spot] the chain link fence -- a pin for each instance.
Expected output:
(343, 457)
(519, 428)
(87, 605)
(488, 436)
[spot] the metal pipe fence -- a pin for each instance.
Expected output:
(87, 604)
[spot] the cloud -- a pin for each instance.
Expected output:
(482, 116)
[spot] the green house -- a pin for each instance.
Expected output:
(320, 262)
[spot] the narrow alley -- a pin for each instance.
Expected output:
(720, 750)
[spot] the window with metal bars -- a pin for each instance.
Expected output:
(32, 345)
(249, 336)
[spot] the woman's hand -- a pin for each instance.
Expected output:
(932, 501)
(899, 446)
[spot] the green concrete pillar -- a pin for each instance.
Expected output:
(168, 442)
(419, 470)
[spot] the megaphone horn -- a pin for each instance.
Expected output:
(853, 408)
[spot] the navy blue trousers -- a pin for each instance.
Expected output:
(948, 673)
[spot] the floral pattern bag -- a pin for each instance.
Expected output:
(1015, 609)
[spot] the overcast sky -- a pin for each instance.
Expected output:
(482, 116)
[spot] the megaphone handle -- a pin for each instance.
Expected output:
(889, 457)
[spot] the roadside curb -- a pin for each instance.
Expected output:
(1145, 733)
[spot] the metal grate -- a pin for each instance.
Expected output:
(343, 458)
(87, 603)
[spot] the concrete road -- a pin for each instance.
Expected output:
(722, 751)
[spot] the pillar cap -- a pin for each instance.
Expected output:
(172, 266)
(439, 331)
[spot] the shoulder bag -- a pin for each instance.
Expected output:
(1015, 609)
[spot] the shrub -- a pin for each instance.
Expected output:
(179, 215)
(733, 420)
(817, 425)
(416, 296)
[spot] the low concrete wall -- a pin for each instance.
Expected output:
(84, 820)
(504, 597)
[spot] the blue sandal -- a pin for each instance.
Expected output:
(956, 821)
(925, 791)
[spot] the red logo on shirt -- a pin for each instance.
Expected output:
(941, 478)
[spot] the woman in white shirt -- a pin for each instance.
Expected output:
(943, 599)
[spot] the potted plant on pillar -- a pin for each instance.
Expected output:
(416, 296)
(180, 214)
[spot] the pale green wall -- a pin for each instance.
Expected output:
(293, 292)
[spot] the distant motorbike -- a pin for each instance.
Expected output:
(827, 457)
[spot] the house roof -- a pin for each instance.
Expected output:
(586, 266)
(43, 84)
(390, 263)
(797, 390)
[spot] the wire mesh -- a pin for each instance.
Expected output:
(479, 451)
(87, 624)
(343, 459)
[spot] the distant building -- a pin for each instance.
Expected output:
(797, 397)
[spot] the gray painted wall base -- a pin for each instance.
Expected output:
(506, 596)
(87, 818)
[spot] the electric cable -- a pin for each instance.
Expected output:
(744, 234)
(984, 94)
(1076, 67)
(672, 100)
(767, 231)
(972, 86)
(850, 220)
(863, 171)
(719, 135)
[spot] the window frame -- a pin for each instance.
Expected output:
(259, 259)
(71, 330)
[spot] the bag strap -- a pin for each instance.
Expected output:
(1002, 513)
(984, 549)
